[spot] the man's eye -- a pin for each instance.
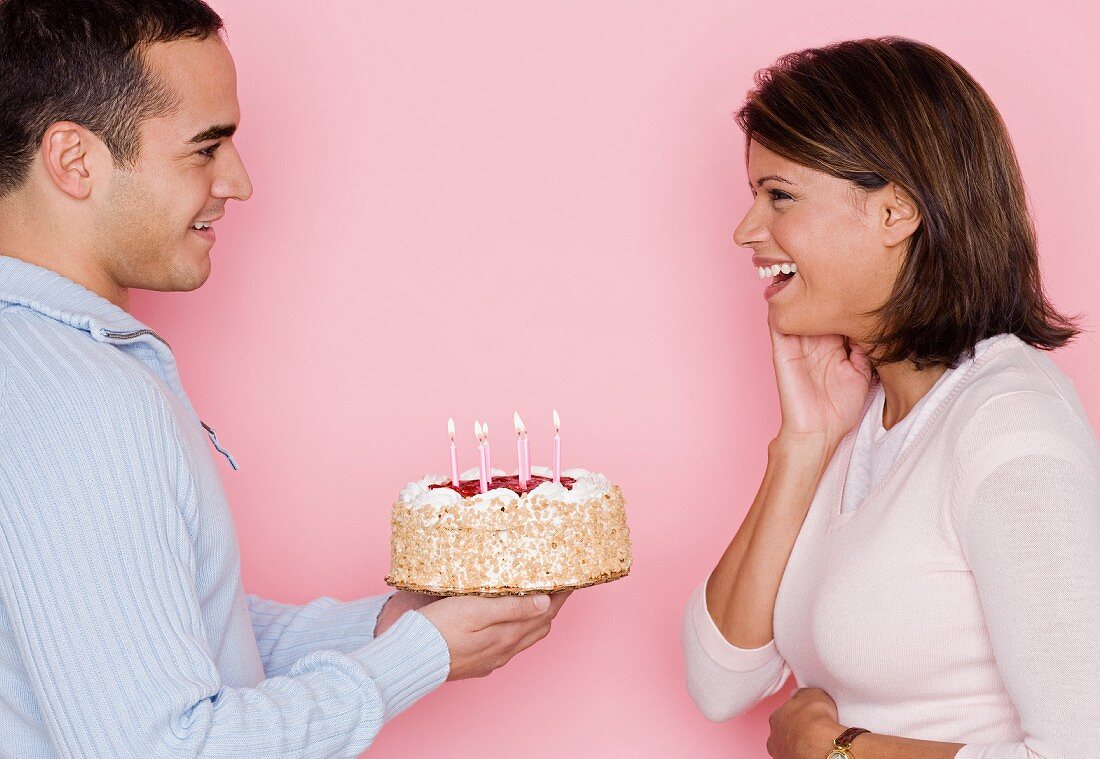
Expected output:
(209, 152)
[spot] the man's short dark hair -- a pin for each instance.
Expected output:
(81, 61)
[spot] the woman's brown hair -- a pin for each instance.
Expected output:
(890, 109)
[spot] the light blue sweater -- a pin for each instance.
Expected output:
(124, 628)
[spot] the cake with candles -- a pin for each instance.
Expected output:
(485, 532)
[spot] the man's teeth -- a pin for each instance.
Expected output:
(200, 225)
(775, 269)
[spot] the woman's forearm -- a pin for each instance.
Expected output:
(876, 746)
(742, 588)
(873, 746)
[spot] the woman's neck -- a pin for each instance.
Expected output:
(904, 386)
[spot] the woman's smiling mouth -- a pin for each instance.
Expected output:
(781, 272)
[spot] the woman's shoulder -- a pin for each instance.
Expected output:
(1016, 399)
(1020, 443)
(1009, 373)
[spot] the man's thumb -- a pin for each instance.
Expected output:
(524, 607)
(530, 606)
(494, 611)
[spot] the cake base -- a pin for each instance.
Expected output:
(504, 591)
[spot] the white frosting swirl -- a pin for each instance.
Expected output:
(485, 500)
(587, 485)
(415, 489)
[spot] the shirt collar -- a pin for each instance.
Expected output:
(58, 297)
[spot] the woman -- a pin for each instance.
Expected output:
(924, 550)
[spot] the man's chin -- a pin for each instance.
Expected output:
(193, 282)
(182, 279)
(192, 274)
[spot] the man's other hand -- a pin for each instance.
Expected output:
(397, 604)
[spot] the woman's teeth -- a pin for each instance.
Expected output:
(776, 269)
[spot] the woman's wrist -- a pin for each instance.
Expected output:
(824, 731)
(811, 450)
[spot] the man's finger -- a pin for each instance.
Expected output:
(493, 611)
(557, 599)
(532, 637)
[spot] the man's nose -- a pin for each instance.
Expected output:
(233, 182)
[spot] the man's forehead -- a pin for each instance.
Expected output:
(200, 77)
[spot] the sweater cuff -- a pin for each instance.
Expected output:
(715, 645)
(372, 607)
(406, 662)
(346, 625)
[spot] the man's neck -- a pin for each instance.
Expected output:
(74, 268)
(31, 231)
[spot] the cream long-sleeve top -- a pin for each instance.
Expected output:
(960, 601)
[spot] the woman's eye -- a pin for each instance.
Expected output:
(773, 194)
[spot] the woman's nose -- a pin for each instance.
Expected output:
(752, 229)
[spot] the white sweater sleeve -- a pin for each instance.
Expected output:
(722, 679)
(1029, 525)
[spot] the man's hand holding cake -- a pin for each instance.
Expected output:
(482, 634)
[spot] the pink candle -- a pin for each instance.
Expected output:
(454, 453)
(488, 454)
(557, 447)
(482, 467)
(521, 439)
(526, 457)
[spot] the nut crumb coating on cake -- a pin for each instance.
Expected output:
(499, 543)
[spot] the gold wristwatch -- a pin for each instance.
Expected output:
(842, 744)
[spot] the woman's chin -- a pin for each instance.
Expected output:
(797, 325)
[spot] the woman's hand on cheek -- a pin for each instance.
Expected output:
(822, 385)
(804, 727)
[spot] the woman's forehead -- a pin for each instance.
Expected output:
(763, 164)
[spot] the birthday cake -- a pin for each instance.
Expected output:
(512, 539)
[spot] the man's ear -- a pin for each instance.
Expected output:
(901, 216)
(74, 158)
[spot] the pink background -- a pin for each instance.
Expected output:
(466, 208)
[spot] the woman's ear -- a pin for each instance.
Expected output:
(900, 216)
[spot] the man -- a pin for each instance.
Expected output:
(124, 629)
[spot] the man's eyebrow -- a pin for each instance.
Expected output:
(214, 133)
(760, 182)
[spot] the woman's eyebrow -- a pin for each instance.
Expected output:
(760, 182)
